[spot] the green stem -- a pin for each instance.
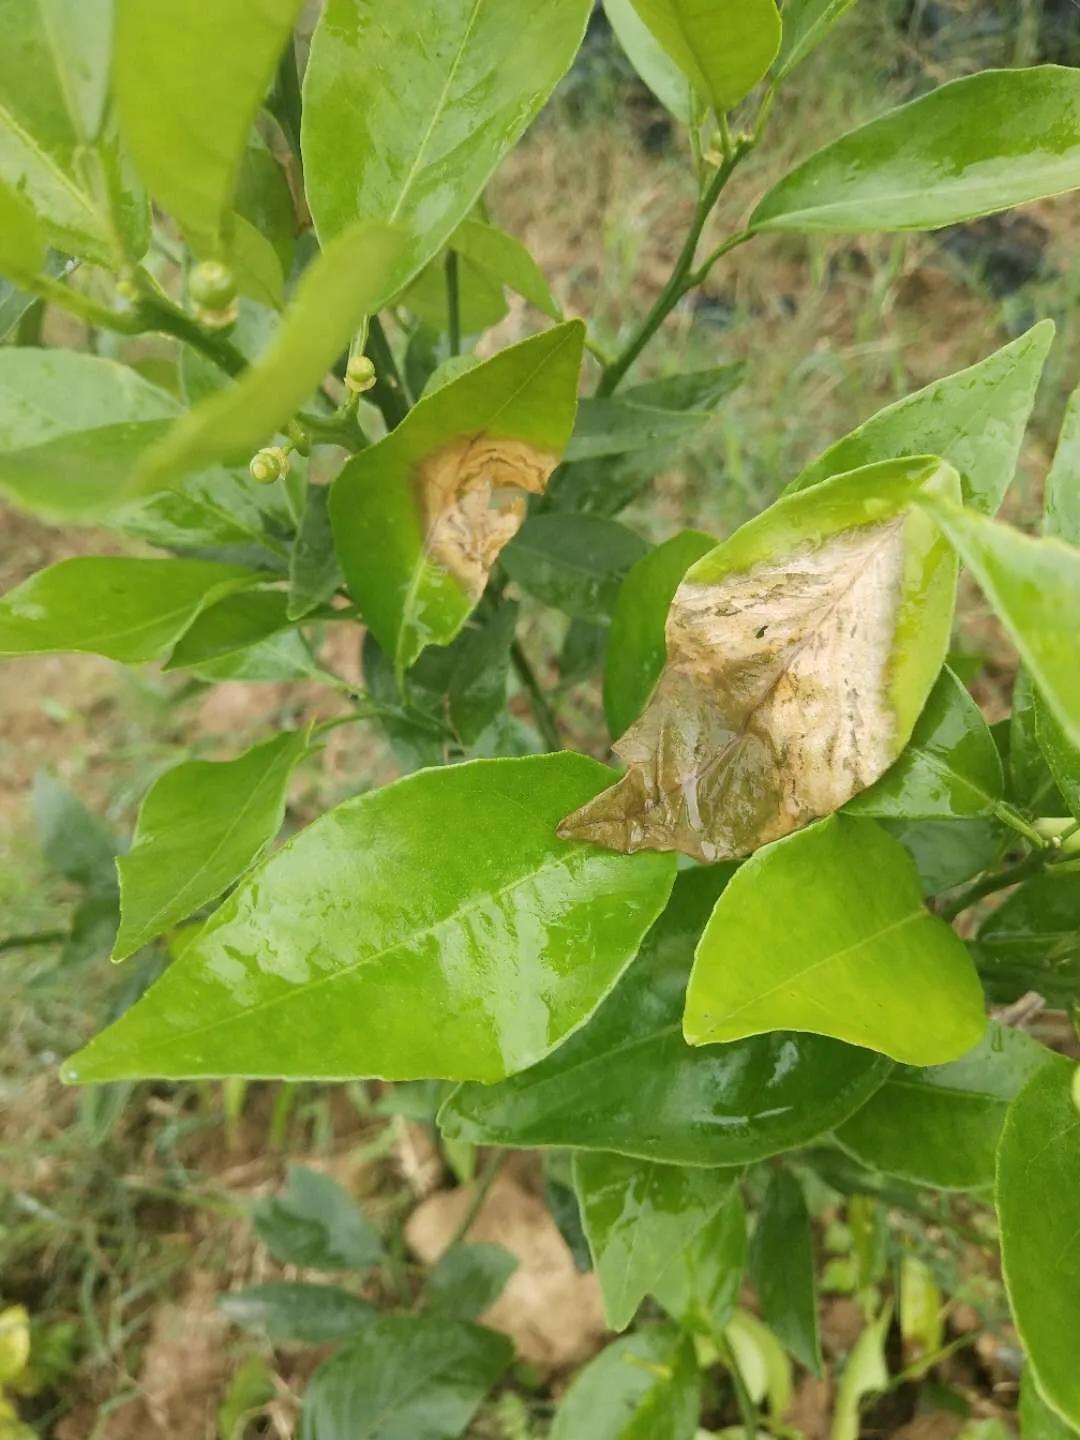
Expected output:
(453, 302)
(154, 312)
(538, 701)
(479, 1195)
(990, 884)
(389, 393)
(1008, 816)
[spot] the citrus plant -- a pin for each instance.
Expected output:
(712, 973)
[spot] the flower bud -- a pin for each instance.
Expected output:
(269, 464)
(360, 375)
(212, 287)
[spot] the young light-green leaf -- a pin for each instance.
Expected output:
(638, 1216)
(974, 419)
(1038, 1204)
(420, 518)
(127, 609)
(868, 963)
(189, 83)
(645, 1385)
(434, 928)
(1034, 588)
(1062, 499)
(408, 110)
(979, 144)
(723, 47)
(505, 258)
(651, 61)
(200, 827)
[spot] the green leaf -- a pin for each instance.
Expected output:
(251, 1388)
(127, 609)
(314, 1223)
(476, 690)
(575, 563)
(940, 1126)
(502, 256)
(200, 827)
(408, 111)
(58, 150)
(406, 1377)
(357, 949)
(800, 653)
(865, 1373)
(1062, 497)
(286, 1310)
(636, 648)
(1038, 1205)
(22, 241)
(983, 143)
(628, 1083)
(806, 24)
(1032, 942)
(349, 280)
(481, 303)
(189, 84)
(651, 61)
(230, 625)
(420, 518)
(974, 419)
(723, 47)
(762, 1361)
(314, 570)
(872, 966)
(700, 1288)
(468, 1280)
(638, 1216)
(1030, 783)
(949, 770)
(1034, 588)
(1037, 1420)
(1062, 755)
(73, 840)
(643, 1387)
(782, 1269)
(614, 427)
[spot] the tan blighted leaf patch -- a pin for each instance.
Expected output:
(772, 709)
(473, 497)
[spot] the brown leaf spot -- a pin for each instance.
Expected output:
(472, 497)
(772, 708)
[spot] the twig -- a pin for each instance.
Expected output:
(480, 1193)
(453, 302)
(538, 701)
(389, 393)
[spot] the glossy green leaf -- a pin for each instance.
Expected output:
(408, 111)
(723, 47)
(1038, 1205)
(420, 518)
(285, 1310)
(949, 770)
(504, 257)
(230, 625)
(189, 84)
(348, 281)
(73, 840)
(974, 419)
(264, 199)
(782, 1269)
(313, 1222)
(651, 61)
(978, 144)
(628, 1083)
(643, 1387)
(806, 24)
(638, 1216)
(1037, 1420)
(1034, 588)
(1062, 496)
(1062, 755)
(700, 1288)
(481, 304)
(57, 149)
(870, 964)
(575, 563)
(940, 1126)
(127, 609)
(406, 1377)
(637, 649)
(800, 653)
(200, 827)
(1031, 785)
(467, 1280)
(476, 690)
(314, 570)
(357, 949)
(22, 241)
(1032, 942)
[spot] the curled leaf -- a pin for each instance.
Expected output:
(799, 655)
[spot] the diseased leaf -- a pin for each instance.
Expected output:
(200, 827)
(468, 1280)
(357, 949)
(1034, 588)
(313, 1222)
(1032, 942)
(286, 1310)
(504, 257)
(127, 609)
(643, 1387)
(628, 1083)
(806, 24)
(782, 1269)
(978, 144)
(1038, 1205)
(420, 518)
(974, 419)
(575, 563)
(700, 1288)
(651, 61)
(872, 966)
(724, 47)
(800, 653)
(638, 1216)
(636, 649)
(940, 1126)
(949, 770)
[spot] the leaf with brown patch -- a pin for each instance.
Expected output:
(799, 655)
